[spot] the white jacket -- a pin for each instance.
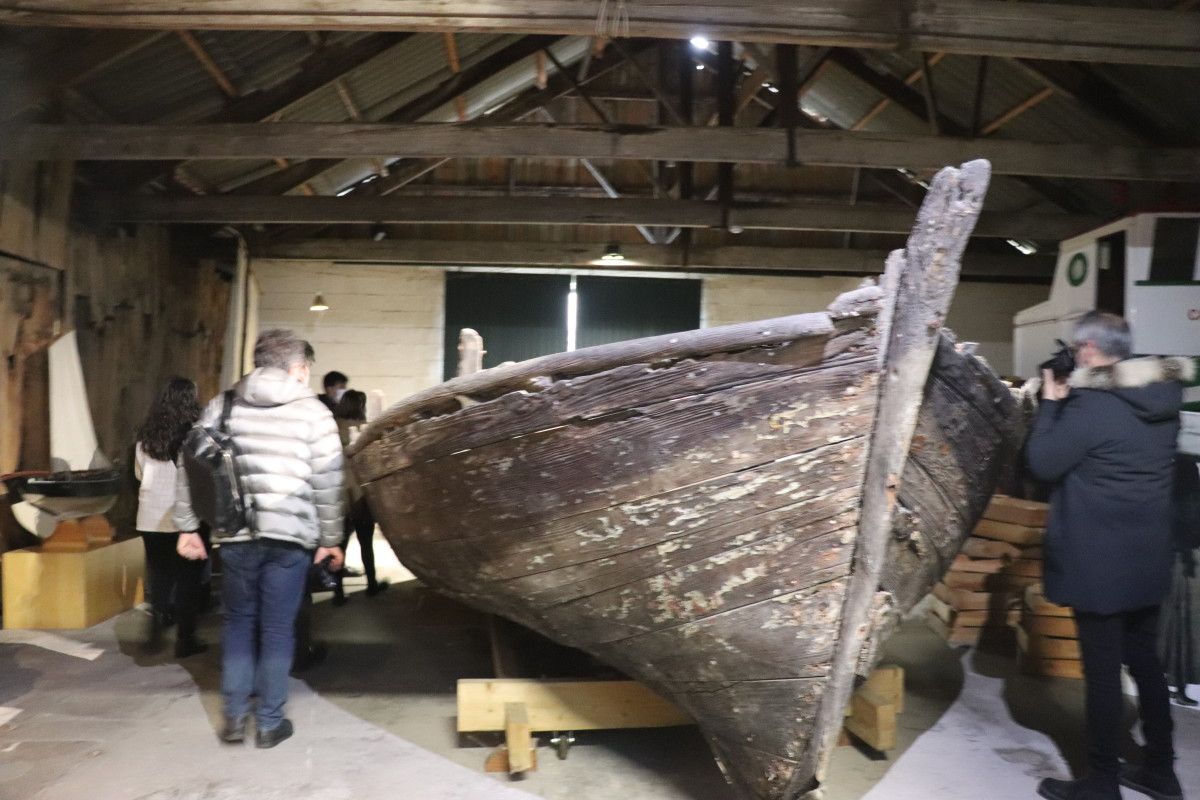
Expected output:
(290, 464)
(156, 495)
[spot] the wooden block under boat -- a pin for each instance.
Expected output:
(72, 589)
(567, 705)
(1009, 532)
(1039, 646)
(1036, 603)
(987, 582)
(1025, 568)
(989, 566)
(974, 619)
(966, 600)
(977, 547)
(1018, 512)
(1061, 627)
(1032, 661)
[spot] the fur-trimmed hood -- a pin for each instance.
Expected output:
(1152, 386)
(1133, 373)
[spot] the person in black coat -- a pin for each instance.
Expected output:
(1106, 442)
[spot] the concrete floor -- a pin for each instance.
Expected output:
(89, 715)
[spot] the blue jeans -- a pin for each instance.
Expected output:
(262, 586)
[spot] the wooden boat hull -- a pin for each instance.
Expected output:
(693, 509)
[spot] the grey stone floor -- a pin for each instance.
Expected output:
(89, 715)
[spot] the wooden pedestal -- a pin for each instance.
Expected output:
(72, 589)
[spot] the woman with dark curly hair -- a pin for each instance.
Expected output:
(173, 582)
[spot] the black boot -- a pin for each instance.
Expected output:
(1181, 698)
(158, 624)
(1093, 787)
(234, 731)
(1154, 782)
(265, 739)
(189, 646)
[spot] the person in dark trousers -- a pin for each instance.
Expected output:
(173, 581)
(289, 465)
(334, 387)
(350, 413)
(1106, 441)
(1179, 632)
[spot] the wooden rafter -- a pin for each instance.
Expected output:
(451, 45)
(207, 63)
(981, 27)
(449, 140)
(1035, 99)
(886, 101)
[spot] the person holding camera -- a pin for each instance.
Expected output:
(1105, 440)
(288, 463)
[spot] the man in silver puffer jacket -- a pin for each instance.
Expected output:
(290, 468)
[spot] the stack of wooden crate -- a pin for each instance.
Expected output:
(1047, 639)
(981, 594)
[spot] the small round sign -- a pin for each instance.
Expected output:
(1077, 269)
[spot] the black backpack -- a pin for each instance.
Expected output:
(209, 460)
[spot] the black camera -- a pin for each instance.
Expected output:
(1062, 363)
(321, 578)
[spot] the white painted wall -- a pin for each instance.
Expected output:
(383, 327)
(981, 312)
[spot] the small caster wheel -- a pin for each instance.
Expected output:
(562, 744)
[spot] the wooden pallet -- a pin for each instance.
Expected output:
(1047, 638)
(522, 707)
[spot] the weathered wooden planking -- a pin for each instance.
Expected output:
(781, 563)
(723, 550)
(581, 555)
(962, 443)
(491, 383)
(553, 403)
(573, 470)
(788, 636)
(737, 711)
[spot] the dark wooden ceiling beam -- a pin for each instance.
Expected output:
(556, 255)
(621, 142)
(811, 216)
(982, 27)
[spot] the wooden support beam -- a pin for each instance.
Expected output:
(586, 255)
(397, 210)
(982, 27)
(207, 63)
(433, 140)
(1020, 108)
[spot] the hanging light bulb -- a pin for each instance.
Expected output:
(318, 303)
(613, 253)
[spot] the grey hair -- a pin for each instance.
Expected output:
(281, 349)
(1108, 332)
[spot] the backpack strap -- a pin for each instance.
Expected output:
(226, 410)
